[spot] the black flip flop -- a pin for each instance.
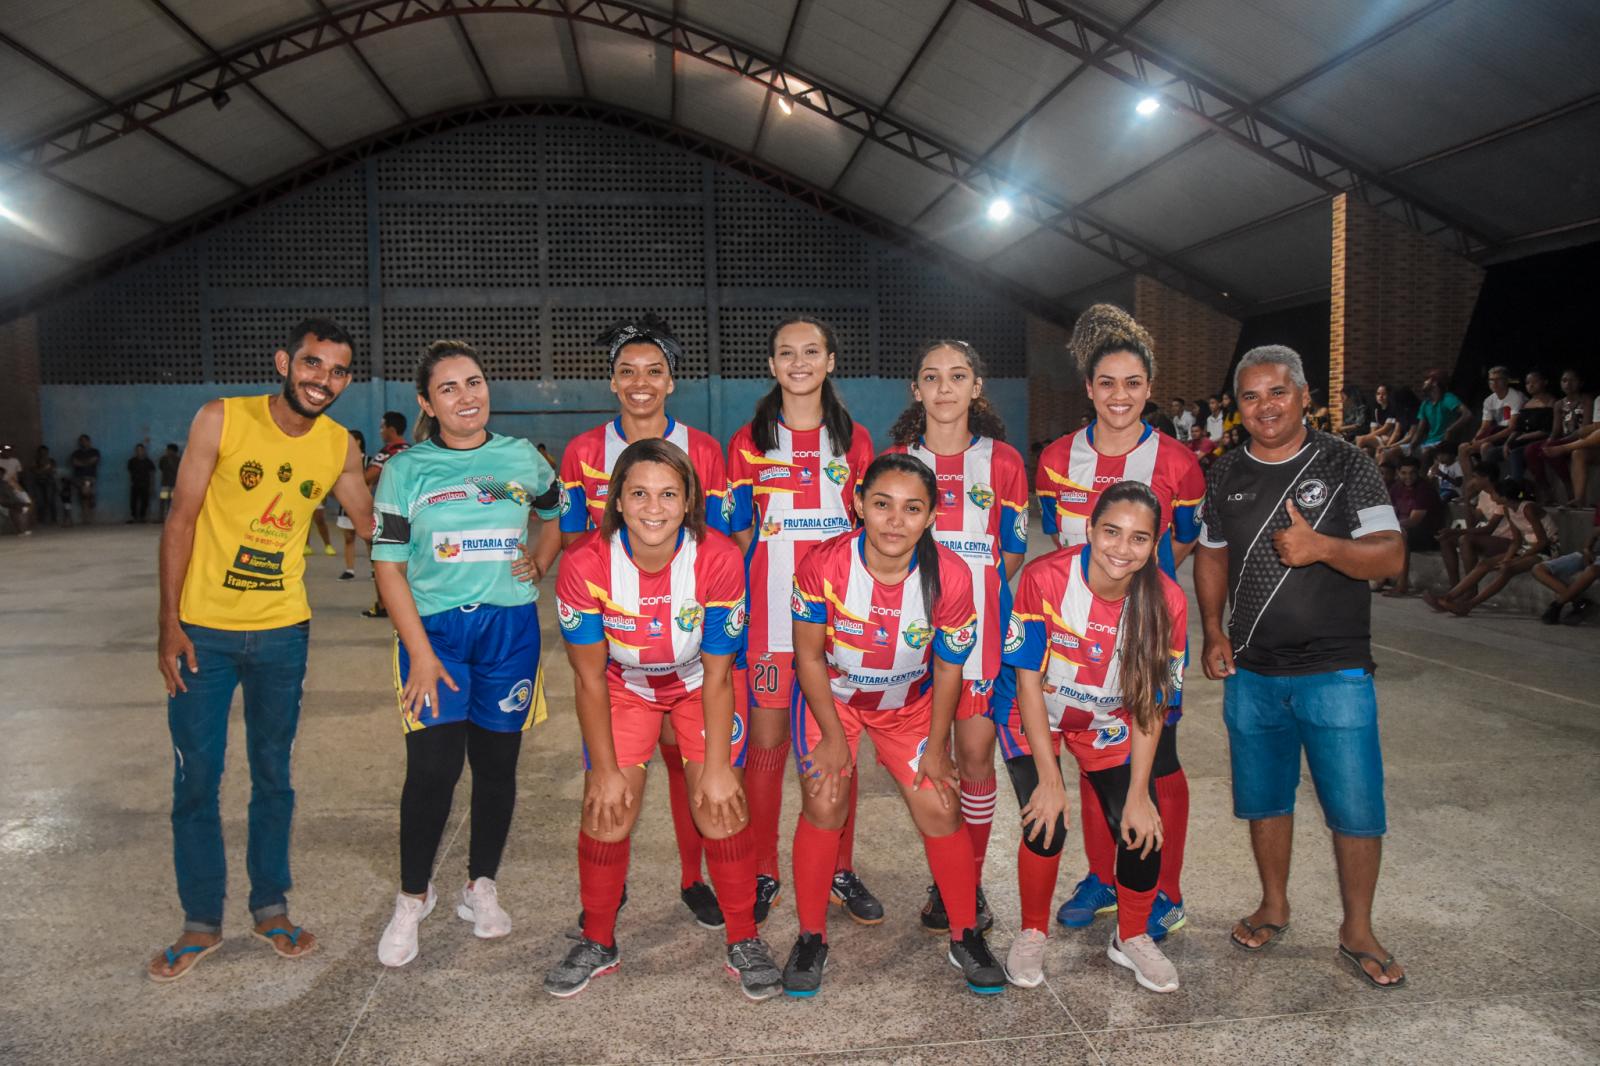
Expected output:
(1268, 927)
(1355, 959)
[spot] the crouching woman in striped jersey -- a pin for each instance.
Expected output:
(652, 608)
(1096, 642)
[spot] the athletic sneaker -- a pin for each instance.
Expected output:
(699, 898)
(1580, 610)
(1092, 896)
(751, 962)
(972, 957)
(1552, 613)
(1150, 967)
(1025, 960)
(1165, 917)
(768, 890)
(348, 575)
(802, 974)
(585, 960)
(398, 944)
(327, 549)
(861, 905)
(936, 920)
(310, 550)
(480, 906)
(375, 611)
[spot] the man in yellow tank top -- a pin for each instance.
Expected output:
(234, 612)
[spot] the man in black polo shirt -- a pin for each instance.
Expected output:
(1295, 525)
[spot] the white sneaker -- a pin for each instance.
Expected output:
(480, 906)
(1150, 967)
(398, 945)
(1025, 960)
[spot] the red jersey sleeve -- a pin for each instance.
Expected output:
(955, 616)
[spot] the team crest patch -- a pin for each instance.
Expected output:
(1021, 525)
(566, 500)
(285, 472)
(446, 549)
(1096, 652)
(1013, 636)
(738, 729)
(690, 615)
(519, 495)
(519, 698)
(963, 638)
(797, 604)
(569, 618)
(981, 496)
(806, 475)
(736, 620)
(249, 474)
(727, 507)
(1311, 494)
(836, 472)
(917, 634)
(947, 498)
(310, 489)
(1111, 735)
(916, 760)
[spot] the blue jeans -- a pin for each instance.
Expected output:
(270, 664)
(1334, 716)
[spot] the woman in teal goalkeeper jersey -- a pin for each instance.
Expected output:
(450, 547)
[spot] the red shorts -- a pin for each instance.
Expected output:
(1094, 749)
(771, 676)
(899, 737)
(974, 702)
(636, 725)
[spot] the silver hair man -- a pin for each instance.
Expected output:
(1272, 353)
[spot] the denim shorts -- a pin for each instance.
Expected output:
(1566, 568)
(1334, 716)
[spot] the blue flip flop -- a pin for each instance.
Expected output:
(199, 951)
(294, 939)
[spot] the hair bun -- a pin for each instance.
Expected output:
(1108, 328)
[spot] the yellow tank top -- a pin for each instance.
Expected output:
(247, 565)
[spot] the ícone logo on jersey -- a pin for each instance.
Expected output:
(518, 699)
(837, 472)
(690, 615)
(736, 620)
(1311, 494)
(249, 474)
(1013, 636)
(917, 634)
(963, 638)
(569, 618)
(981, 496)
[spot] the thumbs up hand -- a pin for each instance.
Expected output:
(1299, 545)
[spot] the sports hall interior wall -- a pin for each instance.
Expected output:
(525, 237)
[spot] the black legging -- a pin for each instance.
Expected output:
(434, 757)
(1111, 785)
(139, 501)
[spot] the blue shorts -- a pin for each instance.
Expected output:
(492, 654)
(1566, 568)
(1334, 716)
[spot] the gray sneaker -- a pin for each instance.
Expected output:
(751, 962)
(1150, 967)
(585, 960)
(1025, 960)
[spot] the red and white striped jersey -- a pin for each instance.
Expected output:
(587, 463)
(982, 510)
(795, 497)
(881, 639)
(1072, 475)
(1062, 629)
(657, 624)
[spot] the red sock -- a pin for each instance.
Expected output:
(683, 827)
(814, 853)
(733, 872)
(763, 791)
(602, 870)
(1133, 911)
(847, 836)
(1098, 844)
(977, 810)
(950, 859)
(1172, 798)
(1036, 882)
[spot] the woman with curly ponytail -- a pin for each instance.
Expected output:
(982, 516)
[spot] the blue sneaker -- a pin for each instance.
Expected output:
(1092, 897)
(1165, 917)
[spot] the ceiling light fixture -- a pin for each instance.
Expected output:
(220, 98)
(1148, 106)
(785, 105)
(999, 209)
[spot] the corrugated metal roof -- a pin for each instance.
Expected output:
(225, 25)
(634, 73)
(330, 95)
(958, 222)
(525, 56)
(807, 145)
(890, 185)
(723, 106)
(424, 65)
(861, 46)
(113, 48)
(1292, 255)
(66, 223)
(761, 24)
(33, 98)
(1051, 264)
(244, 139)
(145, 174)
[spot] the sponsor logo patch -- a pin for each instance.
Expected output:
(566, 499)
(690, 616)
(916, 760)
(1311, 494)
(917, 634)
(477, 546)
(735, 623)
(849, 626)
(285, 472)
(773, 473)
(251, 583)
(981, 496)
(1014, 636)
(569, 618)
(837, 472)
(518, 699)
(310, 489)
(1021, 525)
(963, 638)
(798, 605)
(255, 561)
(249, 474)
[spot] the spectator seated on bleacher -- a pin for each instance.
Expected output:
(1532, 541)
(1422, 515)
(1569, 577)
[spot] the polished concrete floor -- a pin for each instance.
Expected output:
(1490, 891)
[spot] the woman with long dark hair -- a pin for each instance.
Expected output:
(793, 472)
(982, 516)
(467, 647)
(1116, 357)
(1097, 641)
(644, 356)
(883, 622)
(652, 608)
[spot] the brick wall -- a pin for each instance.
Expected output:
(1055, 394)
(1401, 303)
(19, 400)
(1194, 342)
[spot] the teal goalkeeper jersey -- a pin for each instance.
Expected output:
(455, 517)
